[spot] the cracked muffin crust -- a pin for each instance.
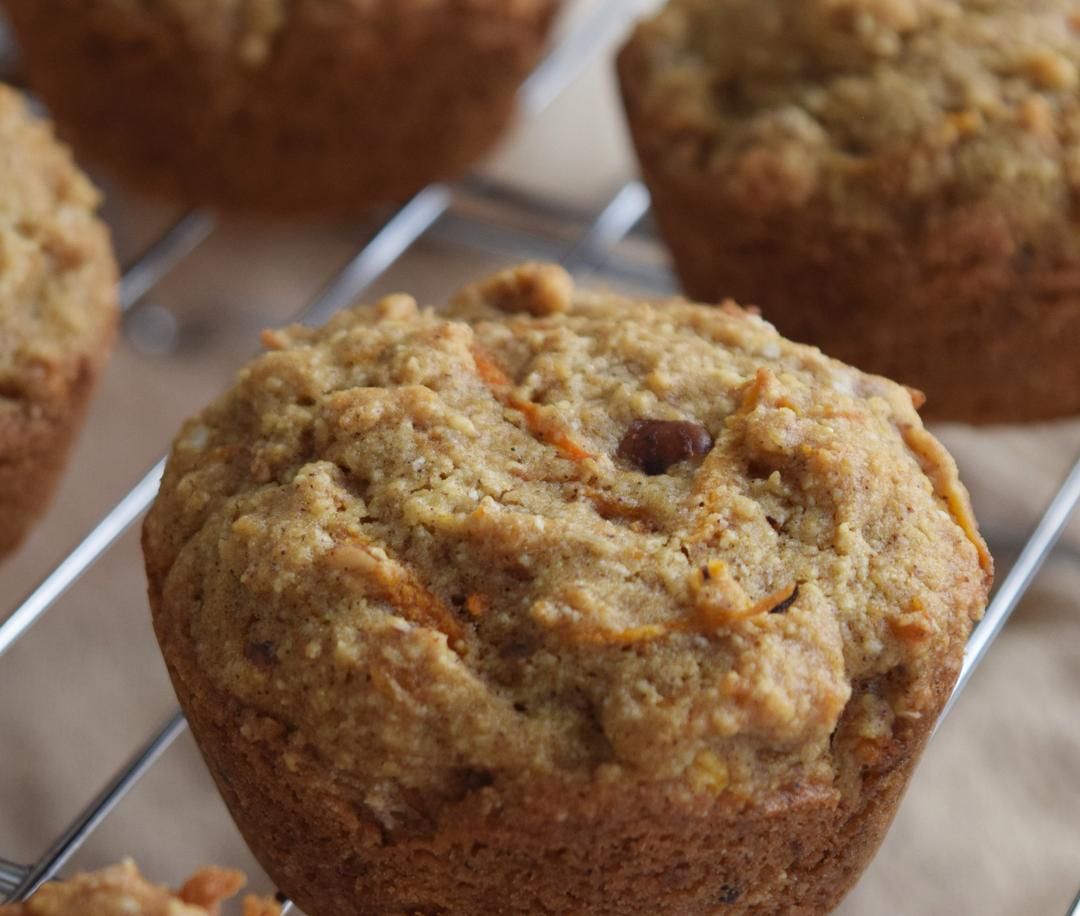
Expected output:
(285, 107)
(893, 180)
(120, 890)
(554, 601)
(57, 311)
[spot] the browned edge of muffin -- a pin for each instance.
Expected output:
(36, 438)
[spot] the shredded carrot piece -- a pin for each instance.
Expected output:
(487, 369)
(918, 399)
(393, 583)
(494, 377)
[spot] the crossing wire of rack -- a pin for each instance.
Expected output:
(488, 217)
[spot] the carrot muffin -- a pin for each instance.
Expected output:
(121, 891)
(57, 311)
(282, 106)
(558, 602)
(894, 180)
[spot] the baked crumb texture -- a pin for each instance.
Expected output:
(552, 601)
(292, 107)
(121, 891)
(57, 311)
(896, 181)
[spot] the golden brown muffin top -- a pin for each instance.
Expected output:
(121, 891)
(57, 275)
(551, 533)
(851, 102)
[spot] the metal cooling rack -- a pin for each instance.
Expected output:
(492, 218)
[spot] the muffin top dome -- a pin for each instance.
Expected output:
(57, 273)
(856, 102)
(550, 533)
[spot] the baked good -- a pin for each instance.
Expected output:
(120, 890)
(892, 180)
(553, 601)
(317, 107)
(57, 311)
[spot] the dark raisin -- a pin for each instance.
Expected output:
(729, 894)
(782, 607)
(261, 654)
(656, 445)
(774, 524)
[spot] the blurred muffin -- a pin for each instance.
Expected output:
(306, 107)
(57, 311)
(560, 602)
(893, 180)
(121, 891)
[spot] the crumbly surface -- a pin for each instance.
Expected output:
(411, 538)
(121, 891)
(286, 107)
(863, 103)
(56, 269)
(57, 310)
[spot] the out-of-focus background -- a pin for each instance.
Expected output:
(991, 824)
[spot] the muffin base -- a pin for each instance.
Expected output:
(36, 438)
(335, 122)
(610, 849)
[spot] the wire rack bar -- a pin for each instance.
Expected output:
(178, 241)
(98, 809)
(517, 244)
(73, 566)
(11, 876)
(624, 211)
(1016, 583)
(565, 62)
(395, 238)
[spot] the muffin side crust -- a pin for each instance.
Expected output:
(311, 108)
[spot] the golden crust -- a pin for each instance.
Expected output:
(120, 890)
(891, 180)
(310, 107)
(411, 591)
(57, 311)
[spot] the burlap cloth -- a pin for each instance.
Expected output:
(991, 824)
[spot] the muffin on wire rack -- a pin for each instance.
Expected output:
(895, 181)
(311, 107)
(57, 312)
(561, 600)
